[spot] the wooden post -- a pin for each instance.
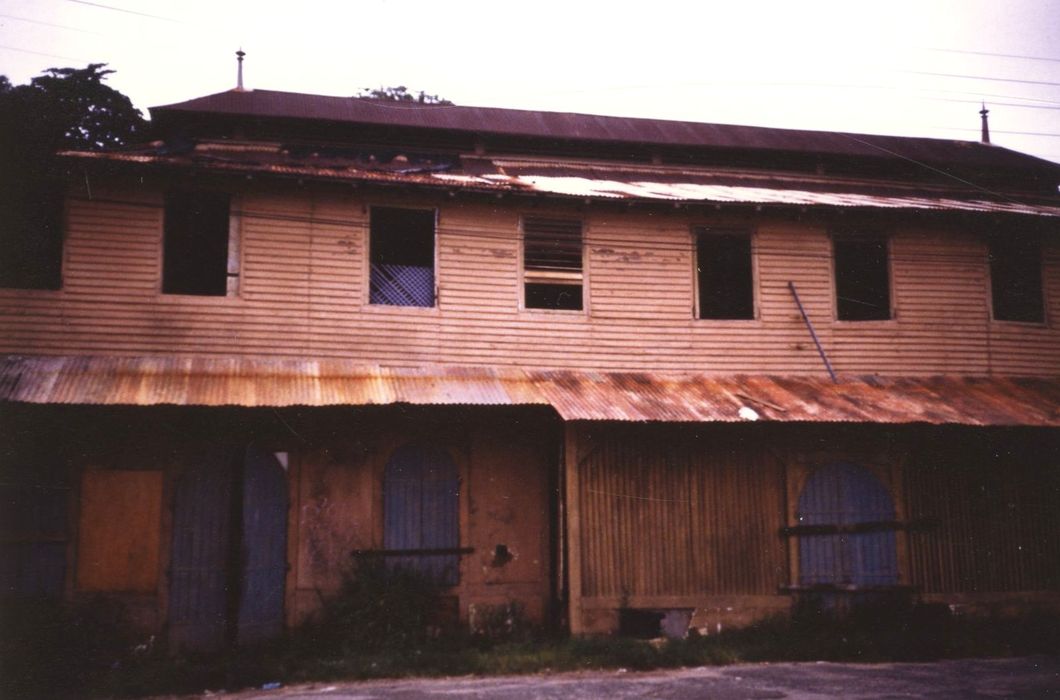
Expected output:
(574, 548)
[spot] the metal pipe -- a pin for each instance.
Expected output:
(813, 333)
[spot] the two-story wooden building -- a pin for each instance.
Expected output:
(579, 363)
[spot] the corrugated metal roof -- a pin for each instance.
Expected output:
(595, 128)
(230, 381)
(933, 400)
(594, 182)
(576, 396)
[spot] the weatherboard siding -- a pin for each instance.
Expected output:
(303, 292)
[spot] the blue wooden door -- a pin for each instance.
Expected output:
(264, 547)
(220, 543)
(198, 597)
(421, 505)
(844, 495)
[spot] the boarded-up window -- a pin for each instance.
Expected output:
(421, 499)
(196, 257)
(1016, 278)
(118, 537)
(33, 534)
(552, 264)
(862, 278)
(401, 252)
(846, 529)
(723, 274)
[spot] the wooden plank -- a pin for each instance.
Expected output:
(119, 531)
(303, 293)
(571, 470)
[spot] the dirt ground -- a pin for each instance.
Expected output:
(1029, 677)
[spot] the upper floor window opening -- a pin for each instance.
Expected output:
(200, 253)
(553, 264)
(401, 257)
(1016, 279)
(862, 278)
(724, 274)
(31, 236)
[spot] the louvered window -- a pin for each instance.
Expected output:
(552, 264)
(401, 251)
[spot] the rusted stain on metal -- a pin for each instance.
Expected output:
(231, 381)
(575, 180)
(576, 396)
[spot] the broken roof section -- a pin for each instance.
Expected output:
(576, 396)
(570, 178)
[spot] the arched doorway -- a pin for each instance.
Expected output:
(847, 520)
(421, 509)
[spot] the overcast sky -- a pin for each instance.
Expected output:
(908, 67)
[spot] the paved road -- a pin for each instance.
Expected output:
(1031, 677)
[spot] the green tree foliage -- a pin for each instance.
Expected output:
(61, 109)
(401, 94)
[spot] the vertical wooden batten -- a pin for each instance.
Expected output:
(571, 433)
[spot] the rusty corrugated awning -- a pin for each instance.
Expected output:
(576, 396)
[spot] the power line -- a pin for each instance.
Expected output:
(42, 53)
(981, 77)
(980, 95)
(52, 24)
(988, 53)
(992, 103)
(126, 11)
(998, 131)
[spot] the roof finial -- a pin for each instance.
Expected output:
(986, 126)
(239, 74)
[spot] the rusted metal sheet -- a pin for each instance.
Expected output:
(657, 513)
(572, 180)
(576, 396)
(698, 398)
(588, 128)
(230, 381)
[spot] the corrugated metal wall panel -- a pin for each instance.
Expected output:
(666, 514)
(303, 292)
(994, 524)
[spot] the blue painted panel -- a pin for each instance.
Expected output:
(846, 494)
(421, 505)
(33, 519)
(201, 526)
(33, 569)
(264, 547)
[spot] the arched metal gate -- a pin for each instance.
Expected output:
(847, 521)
